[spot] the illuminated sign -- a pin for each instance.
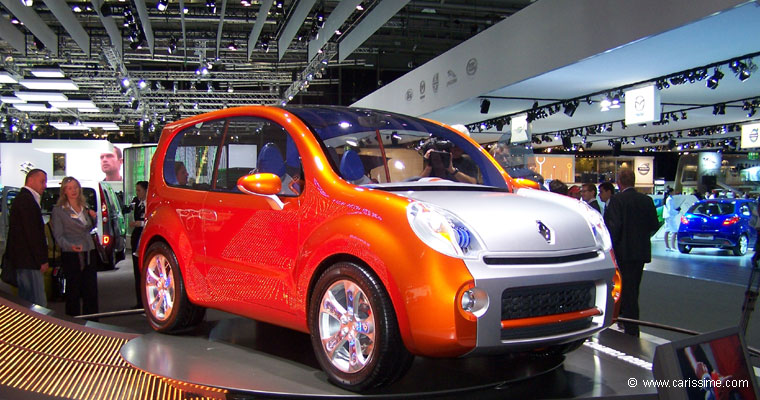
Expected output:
(520, 129)
(750, 134)
(642, 105)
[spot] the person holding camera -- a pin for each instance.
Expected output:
(446, 161)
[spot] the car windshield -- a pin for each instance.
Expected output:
(712, 208)
(377, 147)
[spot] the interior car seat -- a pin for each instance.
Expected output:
(351, 166)
(270, 160)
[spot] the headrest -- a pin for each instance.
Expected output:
(351, 167)
(270, 160)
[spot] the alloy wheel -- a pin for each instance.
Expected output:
(346, 326)
(159, 287)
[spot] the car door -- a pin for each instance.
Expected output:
(251, 241)
(188, 173)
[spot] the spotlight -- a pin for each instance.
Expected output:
(172, 46)
(605, 103)
(683, 115)
(570, 108)
(142, 84)
(211, 5)
(485, 105)
(135, 104)
(712, 81)
(615, 102)
(161, 5)
(719, 109)
(232, 46)
(125, 82)
(751, 112)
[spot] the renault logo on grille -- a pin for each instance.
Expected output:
(545, 232)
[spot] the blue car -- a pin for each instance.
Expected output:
(722, 223)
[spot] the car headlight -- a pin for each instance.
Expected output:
(597, 225)
(442, 230)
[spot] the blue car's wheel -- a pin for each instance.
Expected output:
(684, 248)
(741, 246)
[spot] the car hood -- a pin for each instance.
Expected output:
(509, 222)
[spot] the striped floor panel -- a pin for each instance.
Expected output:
(45, 355)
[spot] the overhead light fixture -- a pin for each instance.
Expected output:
(161, 5)
(80, 104)
(172, 46)
(485, 105)
(28, 3)
(11, 100)
(106, 126)
(7, 77)
(47, 73)
(605, 103)
(712, 81)
(232, 46)
(35, 107)
(142, 84)
(125, 82)
(41, 96)
(76, 8)
(48, 84)
(65, 126)
(570, 108)
(615, 102)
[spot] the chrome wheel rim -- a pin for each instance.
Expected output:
(346, 326)
(159, 287)
(743, 244)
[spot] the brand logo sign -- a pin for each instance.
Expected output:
(642, 105)
(750, 136)
(545, 232)
(644, 169)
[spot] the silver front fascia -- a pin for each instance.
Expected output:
(494, 279)
(507, 222)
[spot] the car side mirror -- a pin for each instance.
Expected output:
(265, 184)
(527, 183)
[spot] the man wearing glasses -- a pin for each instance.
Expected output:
(588, 194)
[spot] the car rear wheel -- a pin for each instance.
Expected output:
(354, 330)
(684, 248)
(741, 246)
(163, 290)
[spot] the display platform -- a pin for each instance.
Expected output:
(253, 359)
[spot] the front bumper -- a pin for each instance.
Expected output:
(537, 300)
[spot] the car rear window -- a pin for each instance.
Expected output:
(712, 208)
(50, 197)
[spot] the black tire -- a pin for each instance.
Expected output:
(181, 314)
(741, 245)
(684, 248)
(386, 359)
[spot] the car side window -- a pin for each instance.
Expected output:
(745, 211)
(256, 145)
(189, 161)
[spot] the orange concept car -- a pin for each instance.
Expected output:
(383, 236)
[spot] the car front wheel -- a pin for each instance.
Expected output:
(166, 304)
(684, 248)
(354, 330)
(741, 246)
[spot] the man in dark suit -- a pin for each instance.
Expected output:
(631, 219)
(27, 246)
(588, 194)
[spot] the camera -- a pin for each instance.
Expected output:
(440, 153)
(436, 144)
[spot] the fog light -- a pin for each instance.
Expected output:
(475, 301)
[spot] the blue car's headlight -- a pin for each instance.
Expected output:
(442, 230)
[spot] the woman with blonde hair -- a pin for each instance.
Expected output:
(72, 222)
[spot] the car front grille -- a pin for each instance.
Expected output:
(539, 301)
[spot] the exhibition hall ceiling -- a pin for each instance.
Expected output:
(183, 58)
